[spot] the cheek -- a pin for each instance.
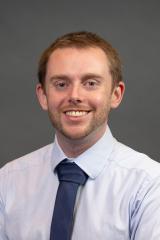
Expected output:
(54, 102)
(100, 100)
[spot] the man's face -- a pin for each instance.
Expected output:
(78, 92)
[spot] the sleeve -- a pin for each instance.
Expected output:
(145, 223)
(2, 210)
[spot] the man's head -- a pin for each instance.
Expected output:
(82, 40)
(79, 83)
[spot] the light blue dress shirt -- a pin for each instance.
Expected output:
(120, 201)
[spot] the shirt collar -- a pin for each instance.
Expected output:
(93, 160)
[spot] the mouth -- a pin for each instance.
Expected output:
(76, 113)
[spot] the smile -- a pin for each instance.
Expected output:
(76, 113)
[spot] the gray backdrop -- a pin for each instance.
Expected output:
(28, 27)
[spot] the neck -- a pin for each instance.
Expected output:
(74, 147)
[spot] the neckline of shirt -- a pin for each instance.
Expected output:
(93, 160)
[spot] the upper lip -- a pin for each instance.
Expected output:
(76, 110)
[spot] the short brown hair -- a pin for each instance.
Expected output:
(82, 39)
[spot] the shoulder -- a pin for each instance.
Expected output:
(25, 173)
(132, 160)
(29, 160)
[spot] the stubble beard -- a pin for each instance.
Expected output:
(99, 120)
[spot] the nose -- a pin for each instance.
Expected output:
(75, 94)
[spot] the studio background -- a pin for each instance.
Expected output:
(27, 28)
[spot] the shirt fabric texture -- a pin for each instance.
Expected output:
(120, 200)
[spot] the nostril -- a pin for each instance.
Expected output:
(74, 100)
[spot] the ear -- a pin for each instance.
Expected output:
(41, 95)
(117, 94)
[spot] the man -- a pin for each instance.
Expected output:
(80, 81)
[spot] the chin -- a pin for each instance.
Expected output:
(75, 135)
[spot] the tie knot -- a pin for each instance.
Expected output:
(71, 172)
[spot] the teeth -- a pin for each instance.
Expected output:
(76, 113)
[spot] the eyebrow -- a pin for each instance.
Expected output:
(91, 76)
(84, 77)
(59, 77)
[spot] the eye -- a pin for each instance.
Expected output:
(91, 83)
(60, 84)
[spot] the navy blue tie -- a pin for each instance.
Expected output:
(70, 176)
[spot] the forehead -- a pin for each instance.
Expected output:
(89, 58)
